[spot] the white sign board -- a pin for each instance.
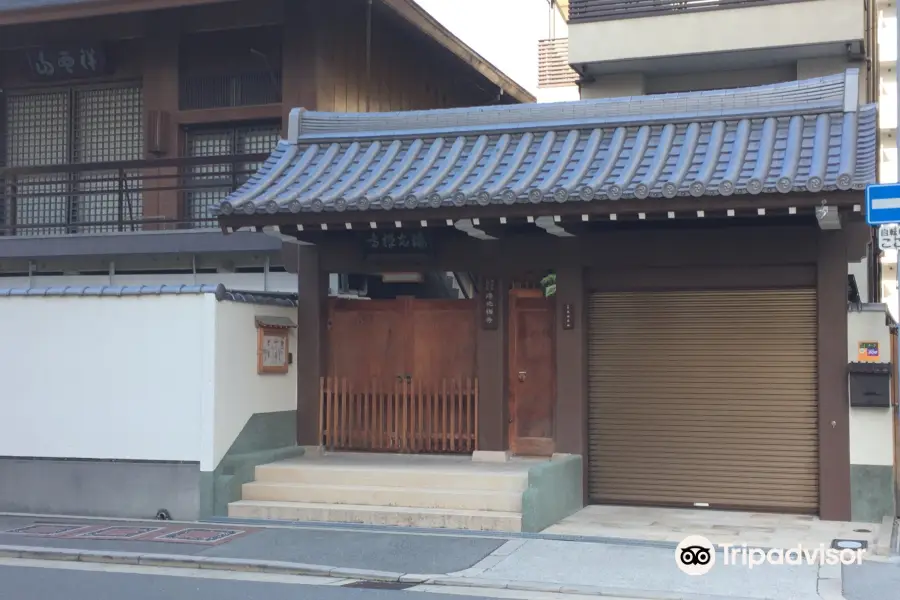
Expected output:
(889, 237)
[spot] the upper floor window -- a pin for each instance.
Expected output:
(221, 69)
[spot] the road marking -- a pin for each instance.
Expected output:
(173, 572)
(276, 524)
(511, 594)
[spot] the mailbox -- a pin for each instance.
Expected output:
(870, 385)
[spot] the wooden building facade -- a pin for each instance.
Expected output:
(106, 108)
(689, 339)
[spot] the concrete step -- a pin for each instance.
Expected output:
(430, 497)
(472, 520)
(379, 476)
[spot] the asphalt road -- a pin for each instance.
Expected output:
(27, 583)
(395, 551)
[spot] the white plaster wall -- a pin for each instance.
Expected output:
(871, 434)
(860, 271)
(102, 378)
(795, 24)
(568, 93)
(240, 392)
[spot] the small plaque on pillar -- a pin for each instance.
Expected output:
(568, 316)
(489, 312)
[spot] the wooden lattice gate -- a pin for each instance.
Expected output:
(401, 376)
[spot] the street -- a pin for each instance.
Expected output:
(48, 580)
(52, 582)
(100, 559)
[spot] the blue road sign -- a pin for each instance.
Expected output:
(883, 203)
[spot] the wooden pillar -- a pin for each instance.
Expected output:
(492, 348)
(571, 417)
(160, 89)
(571, 362)
(312, 351)
(834, 411)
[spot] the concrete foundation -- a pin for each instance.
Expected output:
(871, 492)
(126, 489)
(267, 437)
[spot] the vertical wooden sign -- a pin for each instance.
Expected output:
(489, 312)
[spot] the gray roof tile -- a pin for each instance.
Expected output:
(7, 5)
(111, 291)
(791, 137)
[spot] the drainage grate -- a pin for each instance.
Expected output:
(380, 585)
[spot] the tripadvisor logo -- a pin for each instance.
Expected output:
(696, 555)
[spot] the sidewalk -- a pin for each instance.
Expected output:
(456, 559)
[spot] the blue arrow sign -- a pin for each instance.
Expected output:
(883, 203)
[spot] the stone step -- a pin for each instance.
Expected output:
(430, 497)
(471, 520)
(379, 476)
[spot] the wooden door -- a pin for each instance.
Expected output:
(442, 340)
(401, 376)
(369, 342)
(532, 373)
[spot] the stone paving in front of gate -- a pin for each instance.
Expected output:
(720, 527)
(621, 569)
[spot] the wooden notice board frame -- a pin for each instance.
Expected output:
(262, 336)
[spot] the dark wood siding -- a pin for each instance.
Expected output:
(245, 62)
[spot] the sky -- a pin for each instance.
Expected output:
(504, 32)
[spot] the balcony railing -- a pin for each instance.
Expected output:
(553, 64)
(119, 196)
(585, 11)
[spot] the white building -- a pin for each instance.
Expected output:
(887, 117)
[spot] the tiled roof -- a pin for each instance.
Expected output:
(801, 136)
(112, 291)
(6, 5)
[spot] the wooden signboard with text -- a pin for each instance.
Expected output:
(489, 313)
(397, 244)
(272, 351)
(59, 63)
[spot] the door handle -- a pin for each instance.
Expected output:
(522, 375)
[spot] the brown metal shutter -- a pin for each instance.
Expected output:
(704, 397)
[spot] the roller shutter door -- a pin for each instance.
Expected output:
(704, 397)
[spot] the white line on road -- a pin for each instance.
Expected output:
(511, 594)
(173, 572)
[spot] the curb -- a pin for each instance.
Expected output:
(198, 562)
(884, 536)
(289, 568)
